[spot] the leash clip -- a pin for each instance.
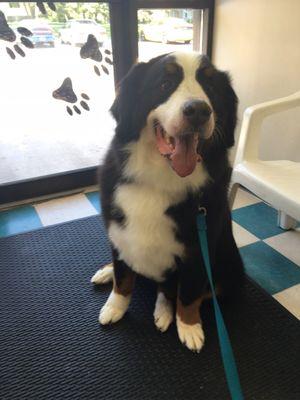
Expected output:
(202, 210)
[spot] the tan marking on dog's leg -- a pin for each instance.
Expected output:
(125, 287)
(189, 314)
(189, 325)
(118, 300)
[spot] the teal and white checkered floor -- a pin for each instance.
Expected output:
(271, 255)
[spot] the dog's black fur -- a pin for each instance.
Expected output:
(139, 94)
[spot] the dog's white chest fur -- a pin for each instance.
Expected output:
(147, 242)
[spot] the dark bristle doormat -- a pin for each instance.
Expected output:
(52, 347)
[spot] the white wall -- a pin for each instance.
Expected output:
(258, 42)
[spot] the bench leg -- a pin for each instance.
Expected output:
(232, 193)
(286, 222)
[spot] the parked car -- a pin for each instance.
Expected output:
(77, 31)
(42, 34)
(167, 30)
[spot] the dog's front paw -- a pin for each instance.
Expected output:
(103, 275)
(114, 309)
(190, 335)
(163, 313)
(110, 314)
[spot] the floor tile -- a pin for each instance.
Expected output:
(288, 244)
(290, 299)
(268, 268)
(259, 219)
(17, 220)
(242, 236)
(65, 209)
(244, 198)
(94, 198)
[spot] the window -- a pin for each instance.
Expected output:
(50, 130)
(166, 30)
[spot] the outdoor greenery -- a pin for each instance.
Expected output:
(99, 12)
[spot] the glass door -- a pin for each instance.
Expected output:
(57, 84)
(60, 64)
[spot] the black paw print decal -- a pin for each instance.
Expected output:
(7, 34)
(66, 93)
(42, 7)
(91, 50)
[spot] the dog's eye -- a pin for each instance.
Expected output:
(166, 85)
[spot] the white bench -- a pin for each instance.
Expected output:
(275, 182)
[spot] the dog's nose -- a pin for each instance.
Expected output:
(197, 112)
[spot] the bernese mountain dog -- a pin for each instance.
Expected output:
(175, 119)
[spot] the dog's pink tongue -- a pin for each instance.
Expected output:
(182, 154)
(185, 157)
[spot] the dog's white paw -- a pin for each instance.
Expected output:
(103, 275)
(114, 309)
(190, 335)
(163, 313)
(110, 314)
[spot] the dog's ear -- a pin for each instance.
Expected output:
(217, 85)
(125, 105)
(231, 104)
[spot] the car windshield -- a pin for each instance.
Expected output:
(176, 22)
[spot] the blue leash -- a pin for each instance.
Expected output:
(230, 368)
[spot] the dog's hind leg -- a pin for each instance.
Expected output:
(103, 275)
(119, 298)
(229, 270)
